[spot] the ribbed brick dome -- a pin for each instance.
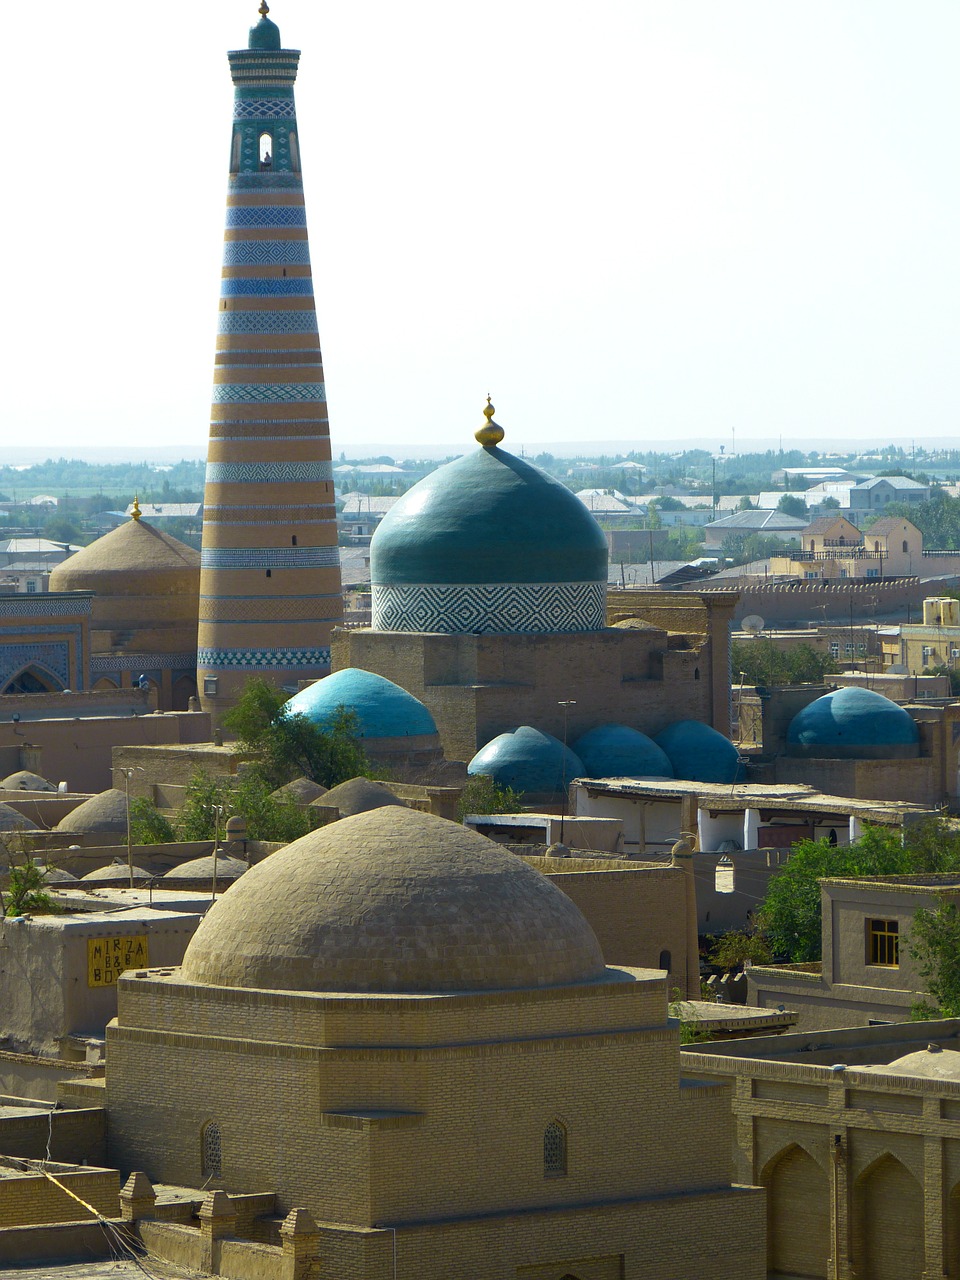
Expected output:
(393, 901)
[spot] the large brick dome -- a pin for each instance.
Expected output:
(393, 901)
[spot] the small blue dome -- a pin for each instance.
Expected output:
(383, 709)
(264, 34)
(698, 753)
(617, 751)
(849, 718)
(528, 760)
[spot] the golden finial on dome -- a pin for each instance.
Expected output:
(491, 433)
(264, 8)
(135, 511)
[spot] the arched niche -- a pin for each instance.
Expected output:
(798, 1214)
(888, 1221)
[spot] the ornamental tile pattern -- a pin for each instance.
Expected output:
(260, 659)
(489, 607)
(46, 605)
(102, 664)
(269, 557)
(52, 659)
(267, 322)
(266, 392)
(263, 609)
(268, 472)
(292, 287)
(259, 253)
(264, 109)
(278, 215)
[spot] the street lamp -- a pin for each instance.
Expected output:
(570, 702)
(127, 775)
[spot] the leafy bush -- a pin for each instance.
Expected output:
(483, 795)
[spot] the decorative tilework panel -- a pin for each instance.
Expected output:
(259, 392)
(268, 472)
(277, 215)
(260, 659)
(102, 664)
(265, 439)
(268, 608)
(292, 287)
(490, 607)
(52, 659)
(266, 182)
(46, 605)
(266, 322)
(269, 558)
(264, 109)
(258, 253)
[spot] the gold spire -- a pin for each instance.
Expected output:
(264, 8)
(136, 512)
(491, 433)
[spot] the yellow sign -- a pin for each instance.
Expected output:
(108, 957)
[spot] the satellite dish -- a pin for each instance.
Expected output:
(752, 623)
(898, 669)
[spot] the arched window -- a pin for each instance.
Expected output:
(212, 1152)
(696, 673)
(266, 151)
(905, 548)
(664, 962)
(32, 680)
(554, 1150)
(235, 152)
(294, 153)
(876, 546)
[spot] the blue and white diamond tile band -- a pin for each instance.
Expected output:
(265, 392)
(277, 215)
(490, 607)
(292, 287)
(267, 321)
(269, 557)
(262, 658)
(268, 472)
(264, 109)
(258, 253)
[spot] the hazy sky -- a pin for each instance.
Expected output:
(650, 223)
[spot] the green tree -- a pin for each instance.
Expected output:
(789, 915)
(934, 942)
(291, 746)
(764, 663)
(27, 891)
(791, 505)
(210, 802)
(482, 795)
(147, 823)
(732, 949)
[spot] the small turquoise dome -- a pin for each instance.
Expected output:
(488, 543)
(698, 753)
(853, 718)
(617, 751)
(383, 709)
(528, 760)
(264, 34)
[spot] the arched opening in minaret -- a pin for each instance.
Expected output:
(235, 152)
(266, 150)
(294, 153)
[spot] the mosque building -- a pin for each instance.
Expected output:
(489, 590)
(270, 568)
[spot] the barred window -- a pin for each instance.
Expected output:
(883, 943)
(212, 1151)
(554, 1150)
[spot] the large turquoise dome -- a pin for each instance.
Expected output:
(489, 543)
(699, 753)
(853, 722)
(617, 751)
(382, 708)
(528, 760)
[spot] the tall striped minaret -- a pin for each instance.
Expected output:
(270, 569)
